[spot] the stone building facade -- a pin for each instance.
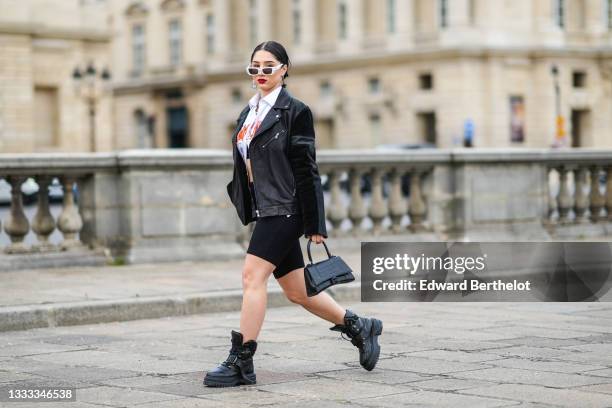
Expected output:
(373, 71)
(41, 43)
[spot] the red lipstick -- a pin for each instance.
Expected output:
(262, 81)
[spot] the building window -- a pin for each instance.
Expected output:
(375, 129)
(342, 19)
(374, 85)
(560, 13)
(138, 48)
(390, 16)
(236, 95)
(176, 42)
(253, 21)
(517, 119)
(210, 33)
(297, 22)
(443, 12)
(579, 79)
(426, 81)
(472, 11)
(325, 89)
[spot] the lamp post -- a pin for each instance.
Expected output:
(559, 121)
(87, 86)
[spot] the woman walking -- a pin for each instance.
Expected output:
(277, 184)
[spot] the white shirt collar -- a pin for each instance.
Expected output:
(270, 99)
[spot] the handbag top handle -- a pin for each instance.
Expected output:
(308, 248)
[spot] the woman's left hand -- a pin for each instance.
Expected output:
(317, 239)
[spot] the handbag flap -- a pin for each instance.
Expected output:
(328, 268)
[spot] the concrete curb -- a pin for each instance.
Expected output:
(152, 307)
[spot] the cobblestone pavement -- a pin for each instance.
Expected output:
(433, 354)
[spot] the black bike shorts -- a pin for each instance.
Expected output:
(277, 240)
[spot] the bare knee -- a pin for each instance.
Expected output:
(252, 278)
(297, 297)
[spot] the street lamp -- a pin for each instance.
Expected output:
(87, 86)
(560, 122)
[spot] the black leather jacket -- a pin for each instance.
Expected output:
(285, 172)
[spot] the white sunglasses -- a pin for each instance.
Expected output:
(265, 70)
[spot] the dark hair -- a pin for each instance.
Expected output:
(278, 51)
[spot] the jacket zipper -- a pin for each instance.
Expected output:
(271, 140)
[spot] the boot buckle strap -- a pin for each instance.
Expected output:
(232, 358)
(338, 327)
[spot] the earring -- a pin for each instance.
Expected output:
(253, 85)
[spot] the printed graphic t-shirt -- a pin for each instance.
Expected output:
(254, 119)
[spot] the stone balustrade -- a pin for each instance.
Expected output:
(162, 205)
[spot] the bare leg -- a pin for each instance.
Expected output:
(255, 274)
(322, 305)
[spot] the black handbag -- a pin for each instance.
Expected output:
(323, 274)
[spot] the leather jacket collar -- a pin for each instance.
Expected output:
(283, 101)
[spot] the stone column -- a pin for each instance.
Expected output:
(221, 12)
(264, 20)
(308, 23)
(355, 24)
(404, 24)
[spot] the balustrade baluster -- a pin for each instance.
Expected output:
(43, 223)
(378, 209)
(580, 197)
(357, 209)
(17, 225)
(417, 206)
(596, 198)
(552, 201)
(564, 199)
(69, 221)
(397, 204)
(609, 192)
(337, 211)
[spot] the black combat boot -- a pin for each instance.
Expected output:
(363, 333)
(238, 366)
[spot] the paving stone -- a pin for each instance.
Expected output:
(526, 352)
(426, 366)
(79, 339)
(541, 365)
(546, 395)
(449, 384)
(86, 374)
(434, 399)
(333, 389)
(606, 372)
(302, 364)
(120, 396)
(377, 375)
(36, 348)
(547, 342)
(515, 375)
(249, 395)
(448, 355)
(192, 402)
(603, 388)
